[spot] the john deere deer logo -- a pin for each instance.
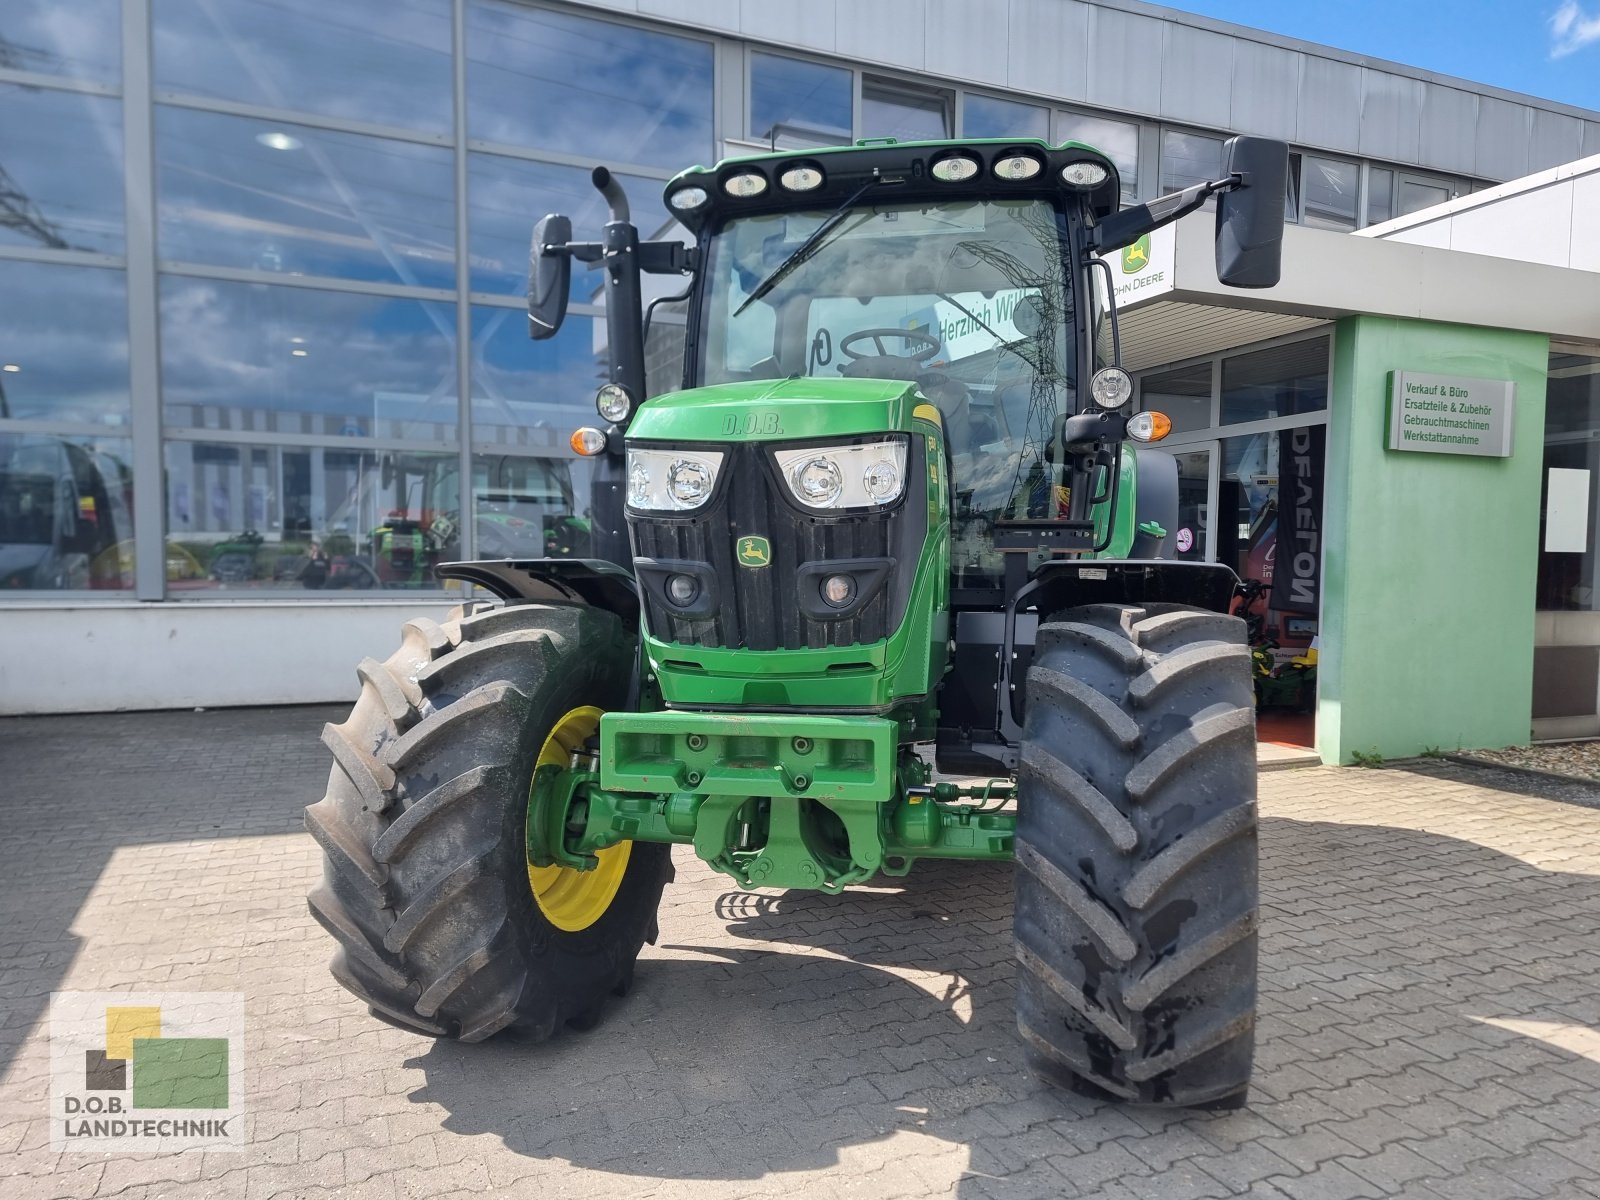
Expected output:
(754, 552)
(1136, 257)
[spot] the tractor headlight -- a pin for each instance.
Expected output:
(671, 480)
(867, 475)
(613, 403)
(1111, 387)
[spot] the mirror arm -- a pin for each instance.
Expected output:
(585, 252)
(1126, 227)
(668, 258)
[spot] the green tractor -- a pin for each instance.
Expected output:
(882, 582)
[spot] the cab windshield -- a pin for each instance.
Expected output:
(968, 299)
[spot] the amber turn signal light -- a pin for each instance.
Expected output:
(1149, 426)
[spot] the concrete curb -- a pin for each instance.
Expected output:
(1470, 760)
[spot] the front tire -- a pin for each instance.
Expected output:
(1136, 887)
(426, 886)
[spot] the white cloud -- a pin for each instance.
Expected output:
(1571, 29)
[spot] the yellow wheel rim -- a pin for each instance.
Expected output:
(571, 899)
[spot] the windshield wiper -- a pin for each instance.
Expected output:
(806, 248)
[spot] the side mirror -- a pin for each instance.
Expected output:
(549, 277)
(1250, 218)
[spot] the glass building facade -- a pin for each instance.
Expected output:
(263, 264)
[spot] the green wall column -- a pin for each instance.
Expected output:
(1429, 559)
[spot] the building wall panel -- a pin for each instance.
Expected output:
(1195, 67)
(967, 39)
(1329, 108)
(808, 26)
(1124, 61)
(1391, 116)
(1049, 48)
(1449, 139)
(1503, 133)
(887, 31)
(1557, 140)
(721, 15)
(1265, 96)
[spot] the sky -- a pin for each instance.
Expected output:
(1545, 48)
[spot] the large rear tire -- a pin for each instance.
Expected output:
(1136, 886)
(426, 886)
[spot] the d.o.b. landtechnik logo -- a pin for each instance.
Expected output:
(146, 1072)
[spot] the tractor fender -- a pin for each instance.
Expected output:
(1065, 583)
(590, 582)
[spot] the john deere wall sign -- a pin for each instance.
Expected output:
(1446, 414)
(1143, 270)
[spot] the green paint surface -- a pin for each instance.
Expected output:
(1429, 559)
(180, 1073)
(777, 410)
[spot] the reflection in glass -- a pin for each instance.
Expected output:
(384, 61)
(62, 154)
(81, 39)
(241, 192)
(507, 196)
(1183, 394)
(613, 93)
(1275, 382)
(1380, 194)
(1329, 187)
(912, 114)
(1188, 159)
(327, 518)
(1188, 540)
(1569, 578)
(527, 507)
(1417, 196)
(66, 513)
(532, 395)
(301, 360)
(795, 104)
(986, 117)
(63, 344)
(1117, 140)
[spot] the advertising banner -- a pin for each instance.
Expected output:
(1297, 571)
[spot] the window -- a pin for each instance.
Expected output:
(64, 344)
(1117, 140)
(1569, 568)
(1328, 192)
(66, 505)
(82, 39)
(367, 60)
(901, 110)
(1188, 159)
(528, 396)
(610, 93)
(243, 192)
(247, 356)
(61, 200)
(1380, 195)
(1276, 382)
(325, 518)
(506, 196)
(1184, 394)
(986, 117)
(794, 104)
(526, 507)
(1416, 194)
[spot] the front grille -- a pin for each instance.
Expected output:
(760, 608)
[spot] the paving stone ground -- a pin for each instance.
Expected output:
(1430, 1011)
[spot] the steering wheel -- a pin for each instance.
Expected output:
(929, 344)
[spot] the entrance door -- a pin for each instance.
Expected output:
(1191, 540)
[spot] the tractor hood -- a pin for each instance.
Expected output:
(781, 410)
